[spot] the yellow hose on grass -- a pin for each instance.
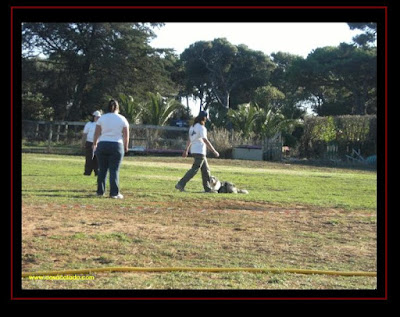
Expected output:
(195, 269)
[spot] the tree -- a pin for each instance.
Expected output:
(130, 108)
(215, 69)
(268, 97)
(95, 60)
(283, 80)
(250, 118)
(271, 122)
(341, 80)
(357, 72)
(158, 110)
(366, 39)
(244, 118)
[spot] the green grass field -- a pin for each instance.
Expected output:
(294, 217)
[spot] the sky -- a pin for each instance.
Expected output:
(295, 38)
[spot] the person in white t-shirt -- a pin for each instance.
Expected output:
(110, 142)
(198, 144)
(87, 144)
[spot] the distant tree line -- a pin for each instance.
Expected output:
(71, 69)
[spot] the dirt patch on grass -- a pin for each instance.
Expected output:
(212, 234)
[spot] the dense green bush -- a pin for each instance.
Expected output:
(344, 132)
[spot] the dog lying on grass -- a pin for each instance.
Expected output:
(225, 187)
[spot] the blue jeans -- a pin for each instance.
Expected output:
(109, 156)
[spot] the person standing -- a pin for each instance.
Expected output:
(198, 144)
(87, 144)
(110, 143)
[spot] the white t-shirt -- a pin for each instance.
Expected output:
(89, 129)
(196, 135)
(111, 127)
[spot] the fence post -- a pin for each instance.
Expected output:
(66, 136)
(50, 136)
(148, 138)
(36, 130)
(58, 132)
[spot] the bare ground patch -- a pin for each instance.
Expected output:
(198, 234)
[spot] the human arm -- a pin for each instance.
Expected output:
(186, 151)
(125, 137)
(85, 134)
(209, 145)
(97, 134)
(83, 141)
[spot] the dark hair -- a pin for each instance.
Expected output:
(199, 118)
(113, 105)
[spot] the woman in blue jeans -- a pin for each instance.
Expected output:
(110, 143)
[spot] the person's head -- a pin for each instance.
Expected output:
(201, 118)
(96, 115)
(113, 106)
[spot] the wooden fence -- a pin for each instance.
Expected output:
(66, 136)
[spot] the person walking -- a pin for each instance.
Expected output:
(87, 143)
(198, 144)
(110, 143)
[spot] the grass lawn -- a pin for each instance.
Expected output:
(294, 217)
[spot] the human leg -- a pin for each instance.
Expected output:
(95, 165)
(116, 157)
(198, 162)
(205, 175)
(88, 158)
(102, 159)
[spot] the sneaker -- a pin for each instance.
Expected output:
(119, 196)
(179, 187)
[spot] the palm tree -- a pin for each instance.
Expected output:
(244, 119)
(157, 110)
(269, 123)
(264, 122)
(131, 109)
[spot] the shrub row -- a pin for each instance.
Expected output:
(341, 133)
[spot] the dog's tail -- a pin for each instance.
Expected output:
(242, 191)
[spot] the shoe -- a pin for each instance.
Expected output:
(99, 195)
(179, 187)
(119, 196)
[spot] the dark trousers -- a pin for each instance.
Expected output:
(200, 162)
(90, 161)
(109, 155)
